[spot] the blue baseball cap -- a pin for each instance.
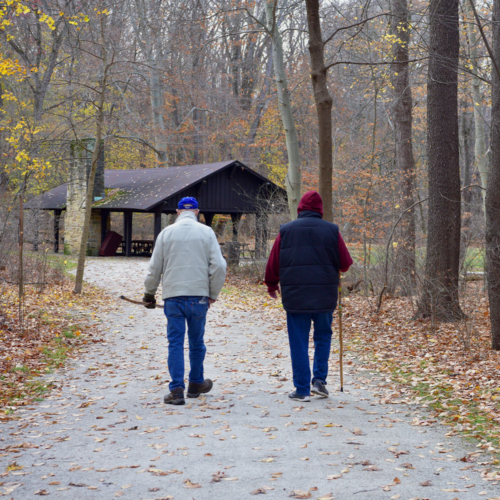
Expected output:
(188, 203)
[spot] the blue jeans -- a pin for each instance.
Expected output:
(178, 311)
(299, 326)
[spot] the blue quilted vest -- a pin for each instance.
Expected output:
(309, 264)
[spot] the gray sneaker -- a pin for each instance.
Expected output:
(293, 395)
(319, 388)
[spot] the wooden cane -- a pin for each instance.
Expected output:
(137, 302)
(341, 349)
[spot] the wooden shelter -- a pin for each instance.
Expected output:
(228, 187)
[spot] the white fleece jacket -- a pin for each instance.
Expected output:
(189, 258)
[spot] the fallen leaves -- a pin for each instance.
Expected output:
(47, 329)
(439, 367)
(259, 491)
(300, 494)
(190, 485)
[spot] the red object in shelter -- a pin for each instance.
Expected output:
(110, 244)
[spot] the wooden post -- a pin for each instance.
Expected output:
(258, 234)
(127, 223)
(57, 221)
(208, 219)
(235, 219)
(104, 224)
(261, 234)
(158, 222)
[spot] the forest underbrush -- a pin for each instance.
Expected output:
(38, 335)
(448, 369)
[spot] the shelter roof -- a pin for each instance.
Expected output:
(140, 189)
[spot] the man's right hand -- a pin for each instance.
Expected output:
(150, 301)
(273, 295)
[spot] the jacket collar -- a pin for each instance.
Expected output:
(309, 213)
(186, 215)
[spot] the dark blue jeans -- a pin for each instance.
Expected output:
(299, 326)
(178, 311)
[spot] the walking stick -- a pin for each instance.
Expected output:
(341, 349)
(137, 302)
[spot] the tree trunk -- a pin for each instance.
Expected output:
(95, 156)
(493, 194)
(149, 44)
(467, 162)
(405, 164)
(440, 295)
(323, 102)
(480, 155)
(293, 177)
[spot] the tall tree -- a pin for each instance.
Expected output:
(481, 158)
(440, 294)
(493, 192)
(405, 164)
(145, 21)
(100, 90)
(323, 101)
(293, 177)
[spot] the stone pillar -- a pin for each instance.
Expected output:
(79, 170)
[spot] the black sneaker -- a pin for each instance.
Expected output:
(297, 397)
(176, 397)
(319, 388)
(194, 390)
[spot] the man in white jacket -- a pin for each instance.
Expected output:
(189, 258)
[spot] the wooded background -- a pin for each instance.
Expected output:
(390, 109)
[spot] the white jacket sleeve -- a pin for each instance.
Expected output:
(217, 267)
(155, 270)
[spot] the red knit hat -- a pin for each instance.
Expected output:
(311, 201)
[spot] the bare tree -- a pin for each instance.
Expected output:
(481, 158)
(405, 164)
(145, 20)
(293, 178)
(323, 102)
(99, 117)
(440, 294)
(493, 192)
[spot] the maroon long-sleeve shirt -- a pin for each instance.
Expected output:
(272, 278)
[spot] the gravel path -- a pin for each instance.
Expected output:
(106, 433)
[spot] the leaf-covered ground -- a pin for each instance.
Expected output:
(54, 325)
(104, 432)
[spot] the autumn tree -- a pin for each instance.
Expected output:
(405, 164)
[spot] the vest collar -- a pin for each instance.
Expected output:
(309, 213)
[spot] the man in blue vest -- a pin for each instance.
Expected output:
(307, 257)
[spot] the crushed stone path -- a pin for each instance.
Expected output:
(105, 432)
